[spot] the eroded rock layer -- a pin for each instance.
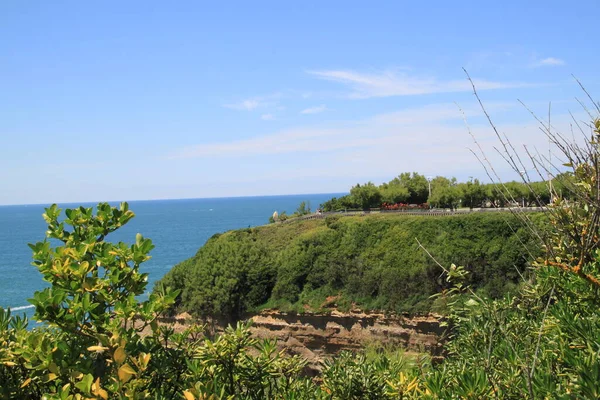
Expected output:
(317, 336)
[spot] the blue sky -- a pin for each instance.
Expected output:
(151, 100)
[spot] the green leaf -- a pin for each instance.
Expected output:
(86, 384)
(471, 303)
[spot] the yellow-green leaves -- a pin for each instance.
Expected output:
(188, 395)
(142, 361)
(126, 373)
(119, 356)
(97, 390)
(98, 349)
(49, 377)
(51, 213)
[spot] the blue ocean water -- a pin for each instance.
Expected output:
(177, 228)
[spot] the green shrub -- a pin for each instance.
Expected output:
(91, 345)
(374, 262)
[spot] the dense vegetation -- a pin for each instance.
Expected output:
(540, 342)
(441, 192)
(374, 262)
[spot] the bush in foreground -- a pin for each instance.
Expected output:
(91, 343)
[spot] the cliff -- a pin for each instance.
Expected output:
(317, 336)
(372, 262)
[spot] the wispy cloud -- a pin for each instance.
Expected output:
(267, 117)
(253, 103)
(287, 141)
(431, 139)
(399, 126)
(549, 61)
(515, 60)
(314, 110)
(440, 112)
(391, 83)
(248, 105)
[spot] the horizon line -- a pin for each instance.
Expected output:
(167, 199)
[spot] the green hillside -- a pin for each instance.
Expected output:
(372, 261)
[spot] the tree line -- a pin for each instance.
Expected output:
(441, 192)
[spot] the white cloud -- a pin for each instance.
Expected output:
(390, 83)
(549, 61)
(437, 113)
(287, 141)
(248, 105)
(314, 110)
(254, 103)
(430, 139)
(267, 117)
(406, 128)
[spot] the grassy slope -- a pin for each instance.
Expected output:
(372, 261)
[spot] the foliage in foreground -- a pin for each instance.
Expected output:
(91, 344)
(543, 342)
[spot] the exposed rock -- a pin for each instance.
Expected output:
(317, 336)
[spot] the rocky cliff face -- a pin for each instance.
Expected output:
(317, 336)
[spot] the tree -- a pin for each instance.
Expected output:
(337, 204)
(394, 193)
(445, 197)
(92, 294)
(417, 186)
(539, 194)
(90, 307)
(332, 204)
(515, 192)
(472, 193)
(303, 208)
(493, 194)
(444, 193)
(367, 195)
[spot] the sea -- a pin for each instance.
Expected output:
(178, 228)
